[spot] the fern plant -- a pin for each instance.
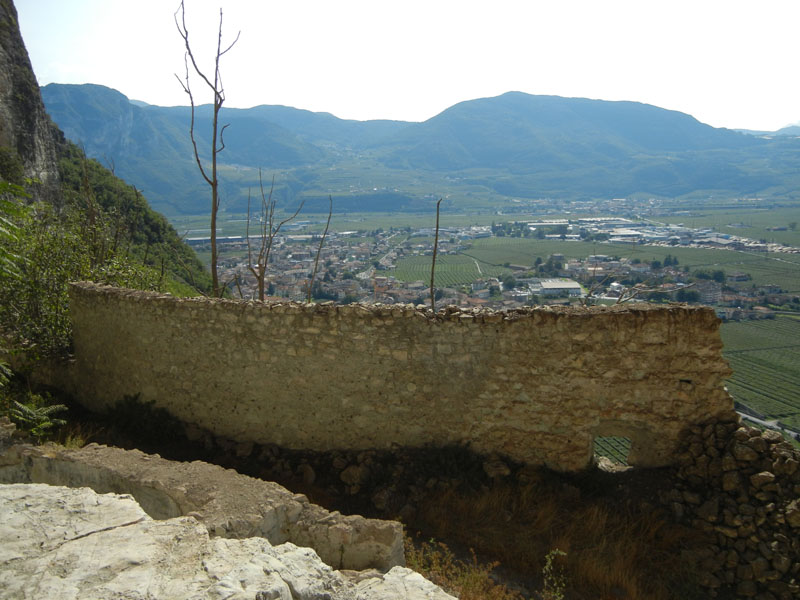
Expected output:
(5, 371)
(35, 416)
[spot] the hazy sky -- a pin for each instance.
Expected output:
(729, 63)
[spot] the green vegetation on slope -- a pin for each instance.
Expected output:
(100, 230)
(137, 229)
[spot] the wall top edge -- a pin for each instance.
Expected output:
(450, 312)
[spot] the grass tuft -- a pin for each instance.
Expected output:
(76, 435)
(467, 580)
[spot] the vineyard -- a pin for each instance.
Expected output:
(451, 270)
(524, 251)
(765, 358)
(614, 448)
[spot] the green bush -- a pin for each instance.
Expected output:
(51, 248)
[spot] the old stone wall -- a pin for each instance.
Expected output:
(741, 486)
(537, 385)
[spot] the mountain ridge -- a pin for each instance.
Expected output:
(512, 145)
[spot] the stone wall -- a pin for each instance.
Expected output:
(537, 385)
(741, 486)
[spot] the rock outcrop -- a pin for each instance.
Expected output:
(226, 503)
(28, 138)
(68, 543)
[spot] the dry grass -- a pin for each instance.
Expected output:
(76, 434)
(615, 547)
(467, 580)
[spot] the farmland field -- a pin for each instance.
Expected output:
(451, 269)
(765, 358)
(782, 270)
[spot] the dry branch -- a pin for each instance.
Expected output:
(319, 250)
(433, 262)
(217, 141)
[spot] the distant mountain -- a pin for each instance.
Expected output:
(150, 145)
(514, 145)
(604, 148)
(793, 130)
(324, 128)
(790, 130)
(519, 130)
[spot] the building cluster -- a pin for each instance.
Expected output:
(622, 230)
(359, 265)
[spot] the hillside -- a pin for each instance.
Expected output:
(64, 217)
(490, 150)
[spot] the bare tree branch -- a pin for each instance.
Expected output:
(188, 90)
(433, 262)
(319, 250)
(217, 143)
(268, 231)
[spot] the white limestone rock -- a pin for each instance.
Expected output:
(227, 503)
(400, 582)
(70, 543)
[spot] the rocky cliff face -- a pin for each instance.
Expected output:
(28, 139)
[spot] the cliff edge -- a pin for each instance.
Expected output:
(28, 138)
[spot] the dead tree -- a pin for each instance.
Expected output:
(217, 143)
(319, 250)
(433, 262)
(268, 230)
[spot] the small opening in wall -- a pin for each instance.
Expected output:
(615, 448)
